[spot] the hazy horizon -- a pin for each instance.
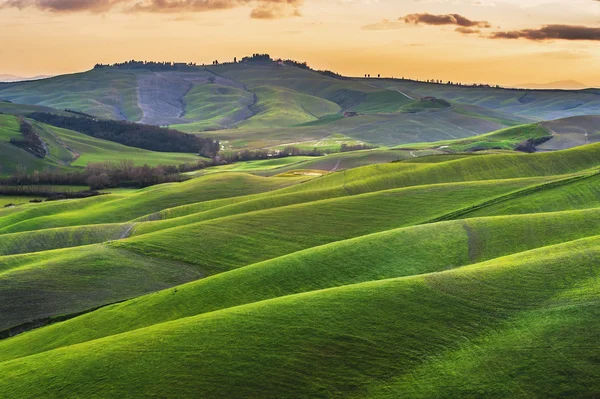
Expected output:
(555, 85)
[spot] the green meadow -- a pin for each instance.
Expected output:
(454, 254)
(70, 150)
(443, 276)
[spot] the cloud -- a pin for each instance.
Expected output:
(551, 32)
(444, 19)
(463, 24)
(261, 9)
(61, 5)
(467, 31)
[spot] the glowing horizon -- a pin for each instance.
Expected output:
(499, 42)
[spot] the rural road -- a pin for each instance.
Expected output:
(385, 88)
(404, 94)
(337, 165)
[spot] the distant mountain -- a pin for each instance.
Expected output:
(14, 78)
(562, 84)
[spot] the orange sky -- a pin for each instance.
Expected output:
(348, 36)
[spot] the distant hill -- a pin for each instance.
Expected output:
(561, 85)
(266, 104)
(536, 104)
(572, 132)
(14, 78)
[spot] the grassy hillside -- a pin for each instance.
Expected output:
(61, 282)
(395, 253)
(449, 276)
(571, 132)
(505, 139)
(102, 93)
(538, 104)
(277, 339)
(283, 107)
(255, 105)
(68, 150)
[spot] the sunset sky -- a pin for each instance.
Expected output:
(493, 41)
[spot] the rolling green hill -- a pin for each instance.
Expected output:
(538, 104)
(68, 150)
(264, 104)
(454, 276)
(447, 263)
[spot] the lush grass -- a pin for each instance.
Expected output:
(102, 93)
(501, 166)
(377, 129)
(262, 165)
(69, 150)
(345, 285)
(20, 200)
(89, 150)
(425, 105)
(395, 253)
(242, 239)
(53, 283)
(581, 194)
(24, 109)
(382, 102)
(216, 106)
(123, 208)
(43, 240)
(351, 345)
(12, 157)
(263, 105)
(280, 107)
(505, 139)
(537, 104)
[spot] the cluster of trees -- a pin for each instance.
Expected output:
(151, 65)
(79, 113)
(331, 74)
(530, 146)
(254, 155)
(105, 175)
(31, 142)
(45, 192)
(356, 147)
(126, 174)
(451, 83)
(297, 64)
(289, 151)
(258, 58)
(48, 176)
(148, 137)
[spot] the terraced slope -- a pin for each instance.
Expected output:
(464, 276)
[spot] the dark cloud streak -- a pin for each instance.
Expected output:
(552, 32)
(444, 19)
(261, 9)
